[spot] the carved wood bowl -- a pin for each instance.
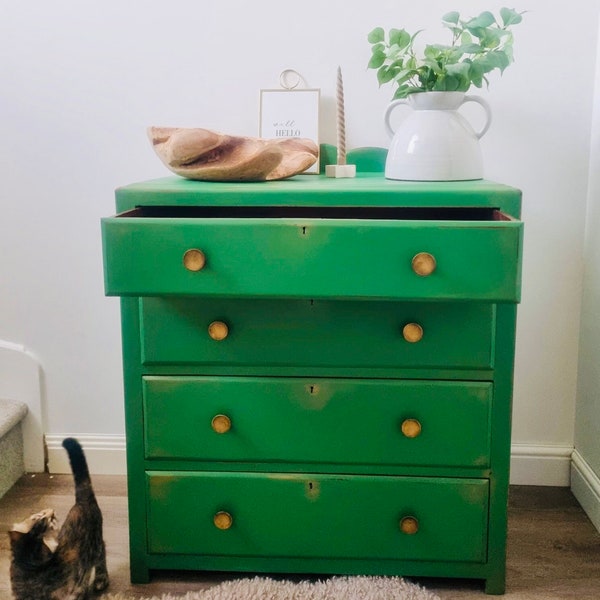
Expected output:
(211, 156)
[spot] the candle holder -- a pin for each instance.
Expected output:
(341, 169)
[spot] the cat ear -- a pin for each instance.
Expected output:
(50, 542)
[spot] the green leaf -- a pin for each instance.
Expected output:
(485, 19)
(459, 70)
(411, 63)
(460, 75)
(377, 60)
(404, 75)
(499, 59)
(402, 92)
(386, 74)
(377, 35)
(510, 16)
(432, 65)
(476, 74)
(471, 48)
(432, 52)
(492, 60)
(451, 17)
(466, 38)
(491, 37)
(400, 37)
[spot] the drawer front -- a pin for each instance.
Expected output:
(312, 258)
(317, 516)
(305, 333)
(301, 420)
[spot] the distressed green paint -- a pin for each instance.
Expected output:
(313, 333)
(318, 420)
(349, 517)
(314, 258)
(366, 189)
(317, 376)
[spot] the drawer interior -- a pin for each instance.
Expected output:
(399, 213)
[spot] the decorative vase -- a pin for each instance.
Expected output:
(434, 142)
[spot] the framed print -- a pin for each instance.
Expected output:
(290, 113)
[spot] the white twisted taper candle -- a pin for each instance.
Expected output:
(341, 120)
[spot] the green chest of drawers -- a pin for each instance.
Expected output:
(318, 374)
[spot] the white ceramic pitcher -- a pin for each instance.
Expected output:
(434, 142)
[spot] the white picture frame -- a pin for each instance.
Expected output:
(290, 113)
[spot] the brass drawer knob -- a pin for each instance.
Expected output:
(194, 259)
(221, 423)
(409, 525)
(411, 428)
(423, 264)
(218, 330)
(223, 520)
(412, 332)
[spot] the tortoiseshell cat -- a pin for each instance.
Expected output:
(69, 564)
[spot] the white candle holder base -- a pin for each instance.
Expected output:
(339, 171)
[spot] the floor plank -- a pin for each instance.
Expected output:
(553, 549)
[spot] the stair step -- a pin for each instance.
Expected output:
(11, 443)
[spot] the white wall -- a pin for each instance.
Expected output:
(80, 82)
(586, 459)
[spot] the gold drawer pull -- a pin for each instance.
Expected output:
(218, 330)
(412, 332)
(409, 525)
(223, 520)
(194, 259)
(221, 423)
(411, 428)
(423, 264)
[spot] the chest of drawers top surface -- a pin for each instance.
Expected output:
(367, 189)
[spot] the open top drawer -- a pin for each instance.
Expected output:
(320, 252)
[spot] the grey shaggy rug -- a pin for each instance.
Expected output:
(334, 588)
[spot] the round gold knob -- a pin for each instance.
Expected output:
(194, 259)
(218, 330)
(412, 332)
(423, 264)
(221, 423)
(409, 525)
(411, 428)
(223, 520)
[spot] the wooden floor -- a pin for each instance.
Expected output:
(553, 549)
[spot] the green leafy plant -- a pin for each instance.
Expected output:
(479, 45)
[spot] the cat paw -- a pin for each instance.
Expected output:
(100, 584)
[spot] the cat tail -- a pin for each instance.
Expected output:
(81, 474)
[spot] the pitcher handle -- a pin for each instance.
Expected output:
(486, 108)
(388, 112)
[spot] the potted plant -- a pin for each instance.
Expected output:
(479, 45)
(439, 144)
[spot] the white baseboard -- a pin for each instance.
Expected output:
(530, 465)
(585, 485)
(105, 454)
(540, 465)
